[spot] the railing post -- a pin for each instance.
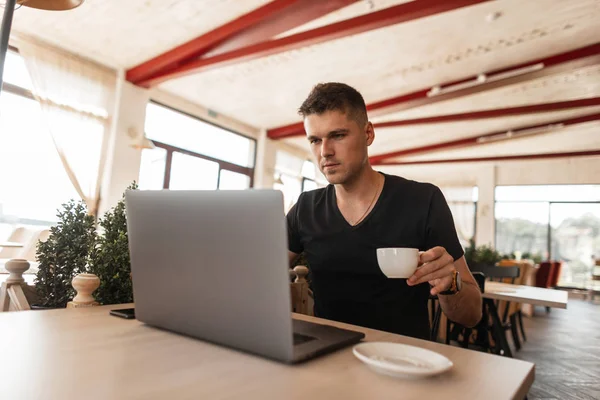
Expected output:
(11, 291)
(84, 285)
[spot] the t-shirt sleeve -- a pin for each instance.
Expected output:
(440, 229)
(294, 243)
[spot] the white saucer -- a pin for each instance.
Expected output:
(401, 360)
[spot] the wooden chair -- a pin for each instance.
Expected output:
(555, 276)
(454, 331)
(544, 274)
(301, 295)
(547, 275)
(490, 326)
(506, 274)
(513, 311)
(29, 238)
(19, 235)
(15, 293)
(29, 252)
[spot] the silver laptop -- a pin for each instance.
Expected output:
(214, 265)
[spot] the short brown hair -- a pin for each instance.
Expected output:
(335, 96)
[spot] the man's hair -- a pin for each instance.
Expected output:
(335, 96)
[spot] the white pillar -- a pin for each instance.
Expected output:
(486, 222)
(265, 162)
(123, 161)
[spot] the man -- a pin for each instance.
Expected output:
(339, 228)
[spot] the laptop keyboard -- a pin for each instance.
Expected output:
(299, 339)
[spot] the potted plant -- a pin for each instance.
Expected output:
(536, 258)
(480, 255)
(64, 255)
(110, 257)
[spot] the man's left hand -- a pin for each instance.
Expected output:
(437, 268)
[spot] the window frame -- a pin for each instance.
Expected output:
(304, 180)
(548, 225)
(223, 165)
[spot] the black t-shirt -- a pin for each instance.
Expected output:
(347, 283)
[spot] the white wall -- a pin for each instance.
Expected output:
(578, 170)
(486, 176)
(265, 159)
(573, 171)
(123, 161)
(204, 113)
(265, 162)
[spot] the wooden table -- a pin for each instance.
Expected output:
(520, 294)
(526, 294)
(86, 353)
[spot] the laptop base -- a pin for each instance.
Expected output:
(313, 339)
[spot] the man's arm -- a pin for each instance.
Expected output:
(465, 306)
(438, 267)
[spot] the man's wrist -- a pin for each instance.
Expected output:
(455, 286)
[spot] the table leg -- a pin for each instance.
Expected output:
(497, 327)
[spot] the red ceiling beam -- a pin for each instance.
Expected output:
(586, 153)
(500, 112)
(254, 27)
(380, 159)
(389, 16)
(561, 63)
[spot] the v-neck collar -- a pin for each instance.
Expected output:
(368, 216)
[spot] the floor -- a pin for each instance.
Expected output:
(565, 346)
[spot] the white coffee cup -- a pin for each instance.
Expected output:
(398, 262)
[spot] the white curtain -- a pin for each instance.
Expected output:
(462, 206)
(77, 98)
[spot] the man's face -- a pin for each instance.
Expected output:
(339, 144)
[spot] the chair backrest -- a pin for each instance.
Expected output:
(493, 272)
(20, 234)
(300, 292)
(544, 274)
(555, 274)
(30, 249)
(480, 279)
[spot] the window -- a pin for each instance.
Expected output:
(33, 181)
(193, 173)
(575, 239)
(309, 176)
(462, 202)
(309, 184)
(291, 188)
(15, 73)
(229, 180)
(192, 154)
(558, 222)
(522, 227)
(152, 168)
(288, 177)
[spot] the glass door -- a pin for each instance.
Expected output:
(575, 234)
